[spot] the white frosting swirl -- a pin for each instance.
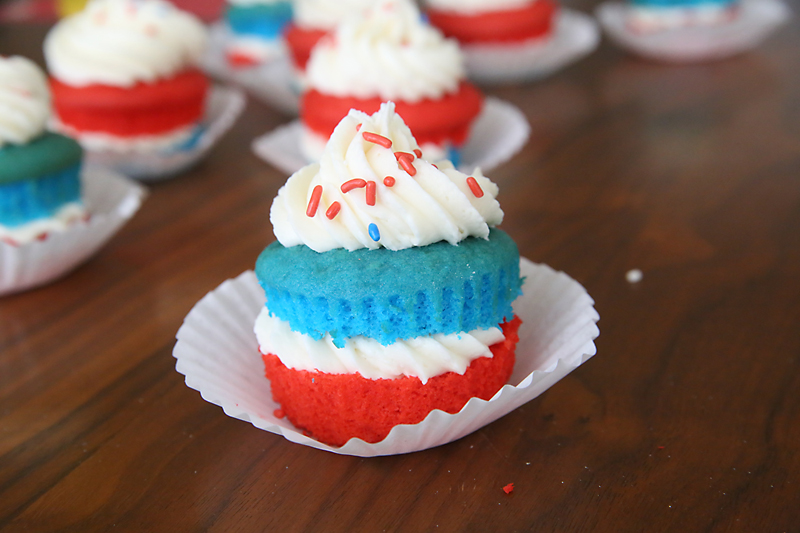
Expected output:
(421, 357)
(122, 42)
(435, 204)
(24, 100)
(386, 52)
(473, 7)
(326, 14)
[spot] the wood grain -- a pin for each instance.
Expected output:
(688, 419)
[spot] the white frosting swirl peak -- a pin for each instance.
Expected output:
(386, 52)
(326, 14)
(435, 204)
(24, 100)
(122, 42)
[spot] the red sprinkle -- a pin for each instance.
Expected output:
(407, 165)
(371, 192)
(358, 127)
(417, 152)
(508, 488)
(377, 139)
(474, 187)
(313, 203)
(403, 155)
(42, 236)
(434, 166)
(388, 181)
(333, 210)
(356, 183)
(278, 413)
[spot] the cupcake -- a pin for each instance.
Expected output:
(40, 187)
(314, 19)
(123, 76)
(648, 16)
(493, 22)
(389, 289)
(256, 28)
(388, 53)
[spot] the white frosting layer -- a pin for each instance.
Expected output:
(474, 7)
(24, 100)
(66, 216)
(326, 14)
(652, 19)
(247, 3)
(122, 42)
(436, 204)
(422, 357)
(96, 141)
(386, 52)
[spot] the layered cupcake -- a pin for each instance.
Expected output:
(40, 187)
(123, 75)
(256, 29)
(314, 19)
(388, 53)
(388, 291)
(649, 16)
(493, 22)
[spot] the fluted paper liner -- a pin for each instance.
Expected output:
(499, 132)
(223, 107)
(273, 82)
(756, 20)
(574, 36)
(218, 353)
(111, 201)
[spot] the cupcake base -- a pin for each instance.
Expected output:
(333, 408)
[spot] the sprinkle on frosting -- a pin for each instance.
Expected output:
(436, 204)
(377, 139)
(474, 187)
(24, 100)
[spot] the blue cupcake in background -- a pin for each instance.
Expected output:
(40, 186)
(256, 30)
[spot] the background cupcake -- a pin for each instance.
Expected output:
(123, 75)
(389, 293)
(647, 16)
(313, 19)
(256, 28)
(493, 22)
(388, 53)
(40, 186)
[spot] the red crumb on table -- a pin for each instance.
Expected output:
(508, 488)
(661, 447)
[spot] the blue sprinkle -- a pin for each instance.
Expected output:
(374, 232)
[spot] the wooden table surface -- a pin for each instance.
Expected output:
(687, 419)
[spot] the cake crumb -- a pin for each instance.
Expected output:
(508, 488)
(634, 275)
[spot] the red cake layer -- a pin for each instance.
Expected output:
(511, 25)
(301, 42)
(144, 109)
(333, 408)
(431, 121)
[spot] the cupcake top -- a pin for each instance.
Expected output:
(24, 100)
(326, 14)
(123, 42)
(469, 7)
(371, 189)
(386, 52)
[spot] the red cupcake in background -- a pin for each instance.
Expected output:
(493, 22)
(123, 75)
(388, 53)
(314, 19)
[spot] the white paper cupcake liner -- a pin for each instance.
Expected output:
(574, 36)
(757, 19)
(272, 82)
(218, 353)
(499, 132)
(110, 199)
(223, 106)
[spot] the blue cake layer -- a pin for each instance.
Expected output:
(389, 295)
(265, 20)
(682, 3)
(24, 201)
